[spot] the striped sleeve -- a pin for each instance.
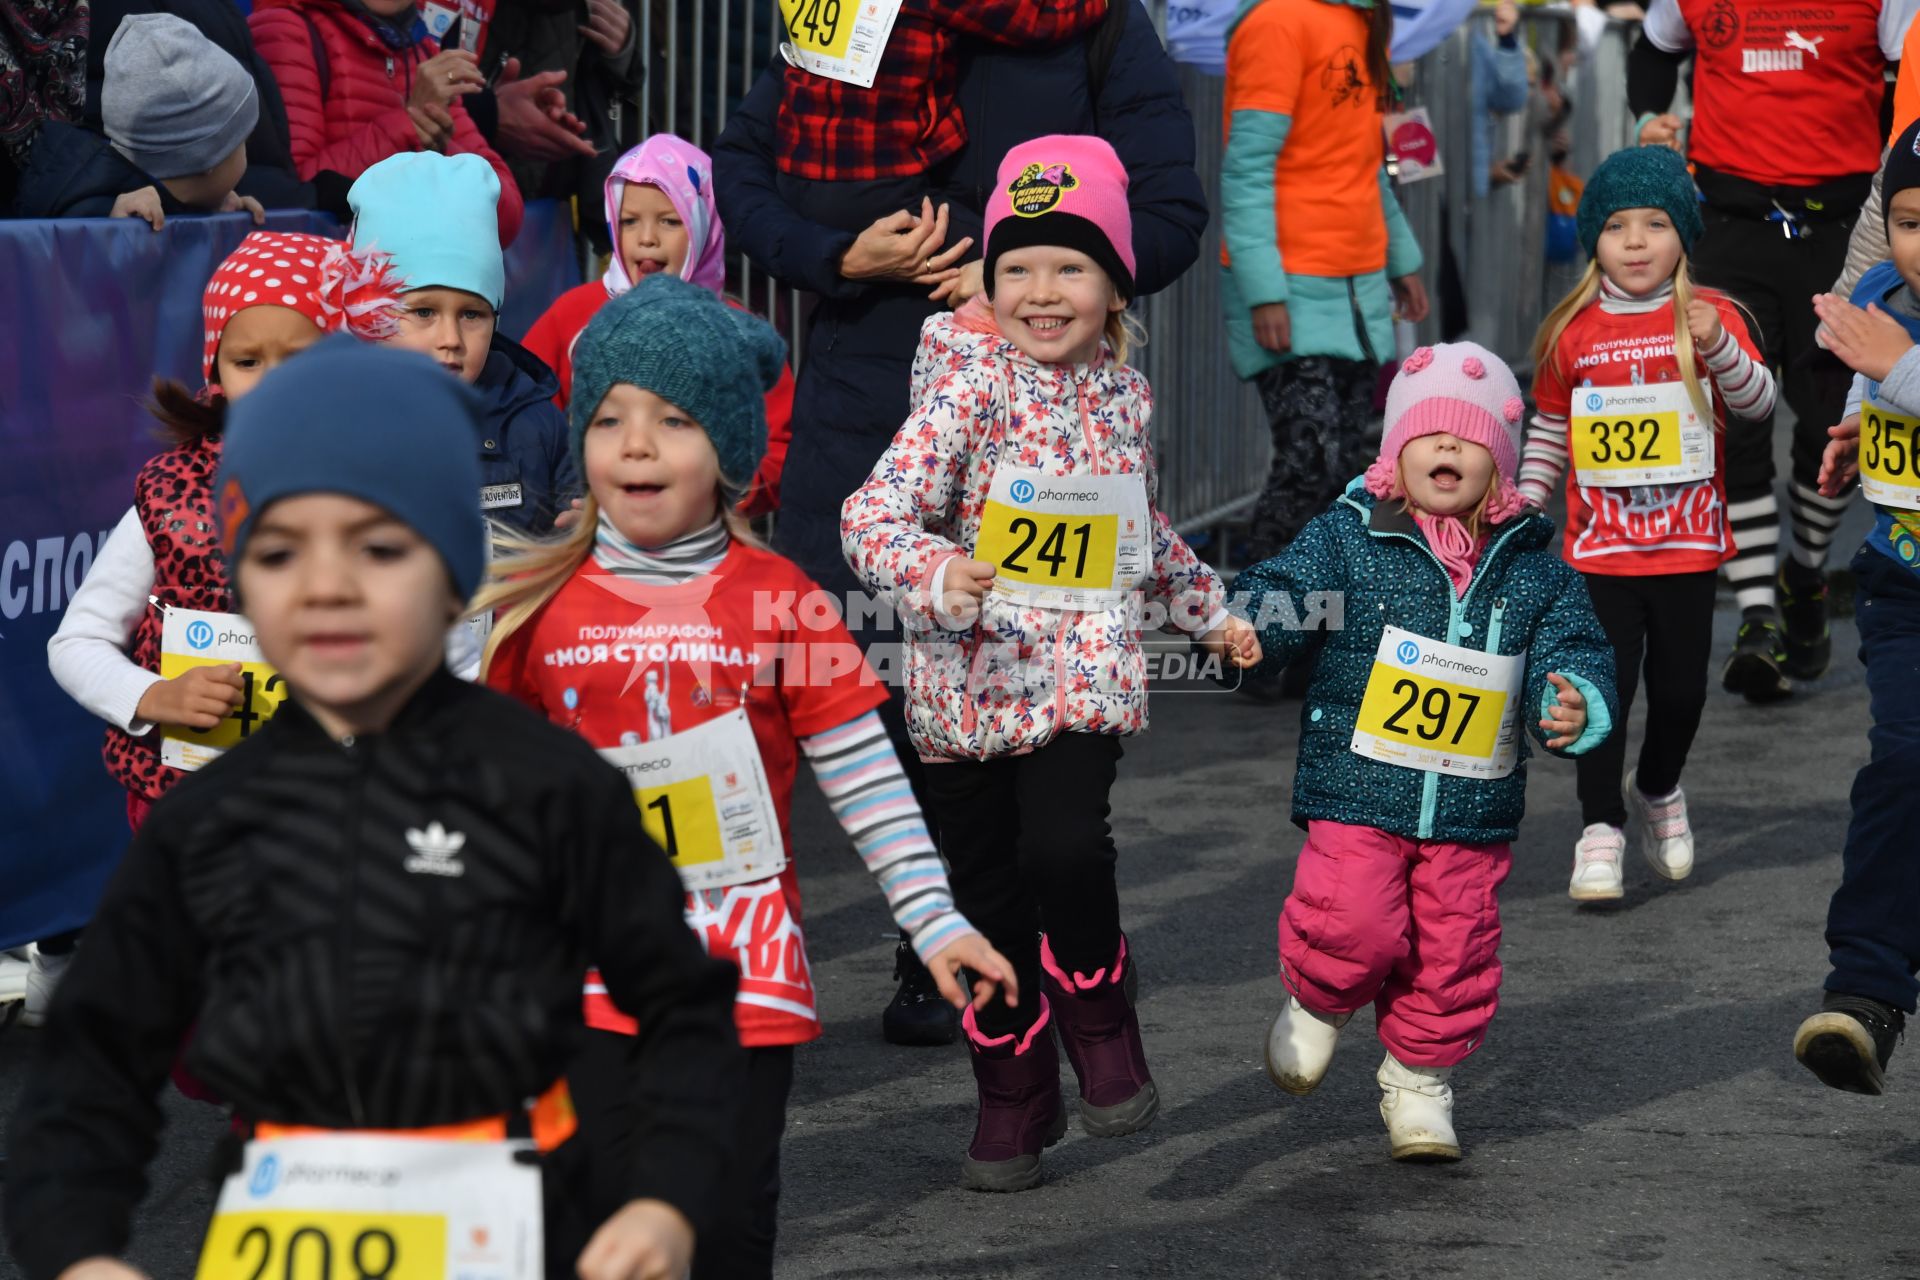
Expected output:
(867, 790)
(1746, 386)
(1543, 460)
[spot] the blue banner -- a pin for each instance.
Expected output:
(90, 311)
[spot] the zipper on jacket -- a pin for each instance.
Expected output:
(390, 70)
(344, 1019)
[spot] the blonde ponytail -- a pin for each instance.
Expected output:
(1124, 334)
(1683, 351)
(1546, 343)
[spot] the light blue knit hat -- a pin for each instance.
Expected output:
(437, 218)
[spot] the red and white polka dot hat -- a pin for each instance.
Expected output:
(324, 280)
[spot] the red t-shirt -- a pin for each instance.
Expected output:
(555, 333)
(1631, 532)
(1786, 95)
(588, 661)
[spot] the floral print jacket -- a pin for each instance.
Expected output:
(1019, 674)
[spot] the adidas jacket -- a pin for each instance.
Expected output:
(386, 933)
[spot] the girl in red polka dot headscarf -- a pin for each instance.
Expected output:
(275, 295)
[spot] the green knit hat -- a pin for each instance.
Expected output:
(1640, 178)
(684, 344)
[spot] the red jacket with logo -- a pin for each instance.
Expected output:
(355, 114)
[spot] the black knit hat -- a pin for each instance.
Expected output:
(1902, 169)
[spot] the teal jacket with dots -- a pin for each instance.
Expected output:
(1362, 566)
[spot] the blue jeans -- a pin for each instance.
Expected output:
(1873, 922)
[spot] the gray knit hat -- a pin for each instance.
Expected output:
(684, 344)
(174, 102)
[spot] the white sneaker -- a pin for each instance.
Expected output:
(1596, 864)
(1661, 829)
(44, 974)
(1300, 1046)
(1417, 1104)
(14, 970)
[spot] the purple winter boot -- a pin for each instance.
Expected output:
(1020, 1111)
(1101, 1035)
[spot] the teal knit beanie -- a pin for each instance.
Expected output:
(1640, 178)
(687, 346)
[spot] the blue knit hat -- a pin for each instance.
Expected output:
(437, 218)
(1640, 178)
(687, 346)
(371, 422)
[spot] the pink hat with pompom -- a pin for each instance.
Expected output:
(1463, 389)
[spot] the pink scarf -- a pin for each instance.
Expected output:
(1458, 550)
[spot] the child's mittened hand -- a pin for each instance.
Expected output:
(144, 203)
(1703, 322)
(1568, 719)
(198, 699)
(646, 1240)
(1868, 342)
(966, 585)
(990, 970)
(1235, 640)
(1840, 465)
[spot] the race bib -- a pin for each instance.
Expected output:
(354, 1206)
(1633, 436)
(704, 798)
(1065, 542)
(190, 638)
(1889, 466)
(839, 39)
(1438, 707)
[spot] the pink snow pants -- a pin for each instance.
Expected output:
(1410, 926)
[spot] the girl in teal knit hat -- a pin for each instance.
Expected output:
(705, 666)
(1636, 373)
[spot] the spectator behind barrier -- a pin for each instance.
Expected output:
(270, 176)
(434, 217)
(177, 111)
(360, 86)
(43, 51)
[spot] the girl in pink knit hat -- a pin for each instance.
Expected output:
(1458, 626)
(1014, 517)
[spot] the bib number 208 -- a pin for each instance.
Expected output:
(1435, 709)
(372, 1254)
(1052, 551)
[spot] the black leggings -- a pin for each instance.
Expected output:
(1666, 622)
(1318, 409)
(1030, 850)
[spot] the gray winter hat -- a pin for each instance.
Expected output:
(174, 102)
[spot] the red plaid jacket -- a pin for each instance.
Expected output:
(909, 121)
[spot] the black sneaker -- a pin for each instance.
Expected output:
(1848, 1042)
(1803, 617)
(1754, 667)
(919, 1014)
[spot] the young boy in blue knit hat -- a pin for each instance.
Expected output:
(1873, 922)
(377, 912)
(1638, 378)
(434, 216)
(705, 666)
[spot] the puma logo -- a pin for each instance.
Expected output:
(1797, 41)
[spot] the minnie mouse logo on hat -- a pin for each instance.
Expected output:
(1039, 188)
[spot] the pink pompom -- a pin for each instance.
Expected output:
(1419, 360)
(1513, 408)
(1472, 367)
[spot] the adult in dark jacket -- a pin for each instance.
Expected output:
(270, 178)
(1118, 83)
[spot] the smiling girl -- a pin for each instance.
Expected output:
(661, 216)
(1459, 624)
(1638, 373)
(1016, 506)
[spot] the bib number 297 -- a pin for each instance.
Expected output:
(1434, 710)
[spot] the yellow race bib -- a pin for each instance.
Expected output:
(191, 638)
(1639, 435)
(392, 1246)
(839, 39)
(1065, 542)
(1440, 707)
(1889, 464)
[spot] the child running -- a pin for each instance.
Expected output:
(1873, 922)
(378, 911)
(1460, 621)
(700, 663)
(1637, 372)
(1017, 506)
(661, 218)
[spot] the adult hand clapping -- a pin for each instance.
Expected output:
(905, 246)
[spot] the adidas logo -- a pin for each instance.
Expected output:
(436, 851)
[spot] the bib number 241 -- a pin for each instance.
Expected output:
(1054, 551)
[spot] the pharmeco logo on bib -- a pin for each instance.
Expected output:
(1408, 652)
(1595, 402)
(1021, 491)
(199, 635)
(1039, 188)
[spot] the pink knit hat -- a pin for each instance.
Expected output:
(1066, 190)
(1467, 391)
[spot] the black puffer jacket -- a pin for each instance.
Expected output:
(386, 933)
